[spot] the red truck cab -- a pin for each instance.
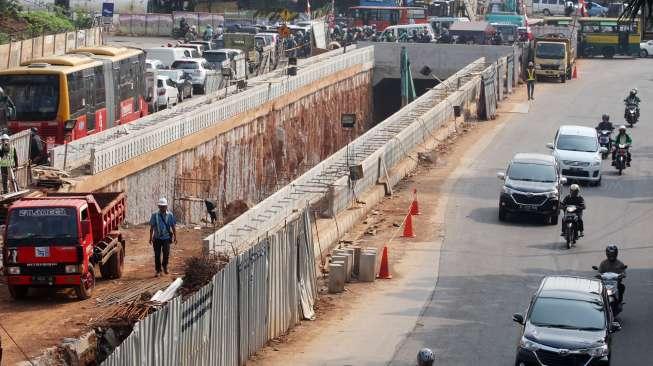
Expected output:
(63, 240)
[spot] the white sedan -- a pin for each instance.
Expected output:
(646, 49)
(168, 95)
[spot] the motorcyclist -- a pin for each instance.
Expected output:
(632, 98)
(614, 265)
(622, 138)
(425, 357)
(425, 36)
(445, 37)
(575, 199)
(605, 124)
(183, 25)
(208, 33)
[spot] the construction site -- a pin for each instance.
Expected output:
(289, 165)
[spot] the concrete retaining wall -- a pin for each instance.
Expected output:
(443, 59)
(243, 165)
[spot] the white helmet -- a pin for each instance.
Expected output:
(4, 137)
(162, 202)
(622, 128)
(574, 187)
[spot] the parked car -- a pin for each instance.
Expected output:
(272, 37)
(206, 45)
(196, 50)
(549, 7)
(398, 31)
(167, 93)
(154, 65)
(216, 58)
(646, 49)
(167, 55)
(596, 9)
(578, 152)
(568, 322)
(197, 68)
(182, 81)
(532, 185)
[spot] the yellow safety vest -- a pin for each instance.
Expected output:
(531, 74)
(8, 160)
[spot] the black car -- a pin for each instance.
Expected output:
(532, 185)
(568, 322)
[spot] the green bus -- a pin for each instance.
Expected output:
(608, 37)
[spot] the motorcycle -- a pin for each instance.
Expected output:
(605, 140)
(570, 225)
(611, 282)
(621, 158)
(632, 114)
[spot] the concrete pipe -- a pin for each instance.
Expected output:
(347, 259)
(367, 269)
(336, 277)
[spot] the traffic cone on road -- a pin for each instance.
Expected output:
(414, 207)
(384, 271)
(408, 227)
(574, 74)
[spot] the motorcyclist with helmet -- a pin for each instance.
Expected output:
(425, 357)
(605, 124)
(575, 199)
(614, 265)
(632, 98)
(625, 139)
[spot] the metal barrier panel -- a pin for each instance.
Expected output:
(489, 89)
(510, 73)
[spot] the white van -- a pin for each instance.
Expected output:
(399, 30)
(549, 7)
(168, 55)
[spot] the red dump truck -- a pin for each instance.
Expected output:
(64, 240)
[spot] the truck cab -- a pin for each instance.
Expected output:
(555, 52)
(63, 240)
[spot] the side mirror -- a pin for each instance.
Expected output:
(501, 175)
(604, 150)
(11, 113)
(615, 327)
(595, 268)
(550, 145)
(563, 180)
(86, 227)
(518, 318)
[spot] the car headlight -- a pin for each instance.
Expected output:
(528, 345)
(552, 194)
(507, 190)
(599, 351)
(596, 163)
(13, 270)
(72, 268)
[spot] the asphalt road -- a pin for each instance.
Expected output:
(488, 270)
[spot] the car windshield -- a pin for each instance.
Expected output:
(215, 56)
(577, 143)
(56, 224)
(185, 65)
(532, 172)
(550, 50)
(568, 314)
(36, 97)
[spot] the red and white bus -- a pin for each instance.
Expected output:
(70, 96)
(385, 16)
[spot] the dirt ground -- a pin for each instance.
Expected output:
(46, 317)
(380, 228)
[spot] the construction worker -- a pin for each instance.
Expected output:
(530, 80)
(162, 234)
(8, 160)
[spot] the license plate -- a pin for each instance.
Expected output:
(42, 252)
(42, 280)
(529, 207)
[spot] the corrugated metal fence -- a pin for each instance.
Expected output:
(259, 295)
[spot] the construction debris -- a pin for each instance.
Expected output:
(198, 271)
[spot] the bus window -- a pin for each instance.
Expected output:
(100, 94)
(36, 97)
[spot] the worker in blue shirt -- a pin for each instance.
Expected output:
(162, 234)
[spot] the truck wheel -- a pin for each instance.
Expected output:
(563, 78)
(608, 52)
(18, 292)
(85, 288)
(113, 268)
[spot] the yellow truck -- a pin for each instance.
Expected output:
(555, 51)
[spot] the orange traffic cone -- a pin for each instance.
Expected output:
(384, 271)
(414, 207)
(408, 227)
(574, 74)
